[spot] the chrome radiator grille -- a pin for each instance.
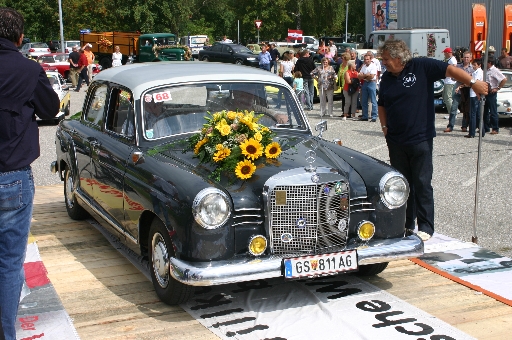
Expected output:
(308, 218)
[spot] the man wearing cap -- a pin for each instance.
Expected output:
(497, 80)
(449, 82)
(90, 60)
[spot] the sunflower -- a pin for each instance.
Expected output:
(258, 136)
(273, 150)
(245, 169)
(251, 148)
(221, 154)
(199, 144)
(219, 147)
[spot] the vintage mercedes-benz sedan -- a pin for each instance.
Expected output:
(213, 173)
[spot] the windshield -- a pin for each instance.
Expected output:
(197, 40)
(241, 49)
(176, 110)
(164, 41)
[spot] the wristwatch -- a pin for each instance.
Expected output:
(472, 82)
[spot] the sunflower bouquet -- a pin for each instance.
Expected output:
(104, 43)
(233, 142)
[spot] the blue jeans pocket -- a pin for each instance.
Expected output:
(10, 196)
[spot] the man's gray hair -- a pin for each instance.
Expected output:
(397, 49)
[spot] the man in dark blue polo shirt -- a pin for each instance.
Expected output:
(406, 113)
(24, 92)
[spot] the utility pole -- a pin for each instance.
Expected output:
(346, 20)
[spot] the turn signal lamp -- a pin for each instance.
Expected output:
(365, 230)
(257, 245)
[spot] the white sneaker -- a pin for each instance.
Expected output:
(423, 235)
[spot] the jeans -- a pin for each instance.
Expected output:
(325, 94)
(369, 90)
(453, 112)
(491, 112)
(447, 96)
(273, 64)
(415, 163)
(265, 67)
(309, 87)
(474, 116)
(16, 201)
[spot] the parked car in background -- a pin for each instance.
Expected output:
(139, 159)
(195, 42)
(504, 96)
(57, 60)
(255, 48)
(59, 86)
(54, 45)
(34, 49)
(229, 53)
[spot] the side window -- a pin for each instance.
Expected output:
(216, 48)
(227, 49)
(95, 112)
(120, 117)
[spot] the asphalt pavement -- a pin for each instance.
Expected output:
(455, 167)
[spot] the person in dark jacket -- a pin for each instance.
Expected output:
(24, 92)
(306, 65)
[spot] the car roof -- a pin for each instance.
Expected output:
(140, 77)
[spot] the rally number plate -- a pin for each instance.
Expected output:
(320, 265)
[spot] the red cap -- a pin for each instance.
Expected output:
(447, 50)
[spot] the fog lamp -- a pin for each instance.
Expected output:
(366, 230)
(257, 245)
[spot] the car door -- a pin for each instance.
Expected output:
(110, 156)
(214, 53)
(86, 136)
(227, 54)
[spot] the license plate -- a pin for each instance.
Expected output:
(320, 265)
(438, 102)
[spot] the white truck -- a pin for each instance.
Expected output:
(195, 42)
(423, 42)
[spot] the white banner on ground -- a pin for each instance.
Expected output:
(339, 307)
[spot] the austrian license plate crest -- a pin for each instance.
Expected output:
(320, 265)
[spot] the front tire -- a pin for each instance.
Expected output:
(206, 59)
(75, 211)
(160, 251)
(239, 62)
(372, 269)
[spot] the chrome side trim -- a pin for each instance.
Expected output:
(106, 218)
(243, 269)
(247, 222)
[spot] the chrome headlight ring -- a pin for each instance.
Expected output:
(394, 190)
(211, 208)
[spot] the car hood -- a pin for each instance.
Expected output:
(248, 193)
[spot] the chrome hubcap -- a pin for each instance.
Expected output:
(160, 260)
(69, 190)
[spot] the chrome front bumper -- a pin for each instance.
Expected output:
(222, 272)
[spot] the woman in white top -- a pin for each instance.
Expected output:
(117, 57)
(285, 71)
(474, 113)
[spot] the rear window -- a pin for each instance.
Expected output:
(39, 45)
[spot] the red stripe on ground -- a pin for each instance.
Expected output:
(462, 282)
(35, 274)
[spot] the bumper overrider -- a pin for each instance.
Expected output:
(249, 269)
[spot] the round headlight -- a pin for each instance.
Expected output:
(394, 190)
(211, 208)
